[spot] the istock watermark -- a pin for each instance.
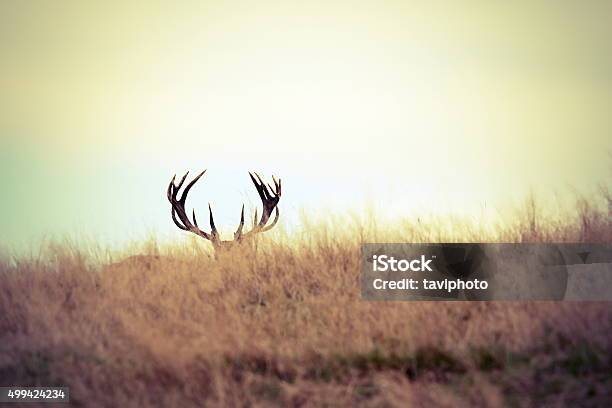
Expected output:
(487, 272)
(413, 284)
(383, 263)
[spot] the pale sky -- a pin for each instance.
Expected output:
(446, 107)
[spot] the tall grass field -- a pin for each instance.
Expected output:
(282, 323)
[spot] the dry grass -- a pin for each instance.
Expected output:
(285, 326)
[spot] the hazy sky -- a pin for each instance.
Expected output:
(405, 106)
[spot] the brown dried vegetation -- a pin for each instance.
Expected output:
(284, 325)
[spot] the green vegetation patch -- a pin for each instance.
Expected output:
(423, 360)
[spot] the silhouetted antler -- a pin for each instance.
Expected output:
(178, 209)
(269, 197)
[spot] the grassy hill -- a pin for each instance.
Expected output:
(283, 324)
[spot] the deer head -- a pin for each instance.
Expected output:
(269, 198)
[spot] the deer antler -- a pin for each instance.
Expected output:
(269, 197)
(178, 209)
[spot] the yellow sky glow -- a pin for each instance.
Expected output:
(448, 107)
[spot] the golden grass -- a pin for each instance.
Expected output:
(284, 325)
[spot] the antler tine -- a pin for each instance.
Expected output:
(188, 187)
(195, 222)
(169, 189)
(238, 233)
(278, 186)
(272, 190)
(260, 186)
(173, 189)
(264, 187)
(213, 229)
(253, 178)
(180, 184)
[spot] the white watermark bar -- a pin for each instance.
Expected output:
(34, 394)
(392, 271)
